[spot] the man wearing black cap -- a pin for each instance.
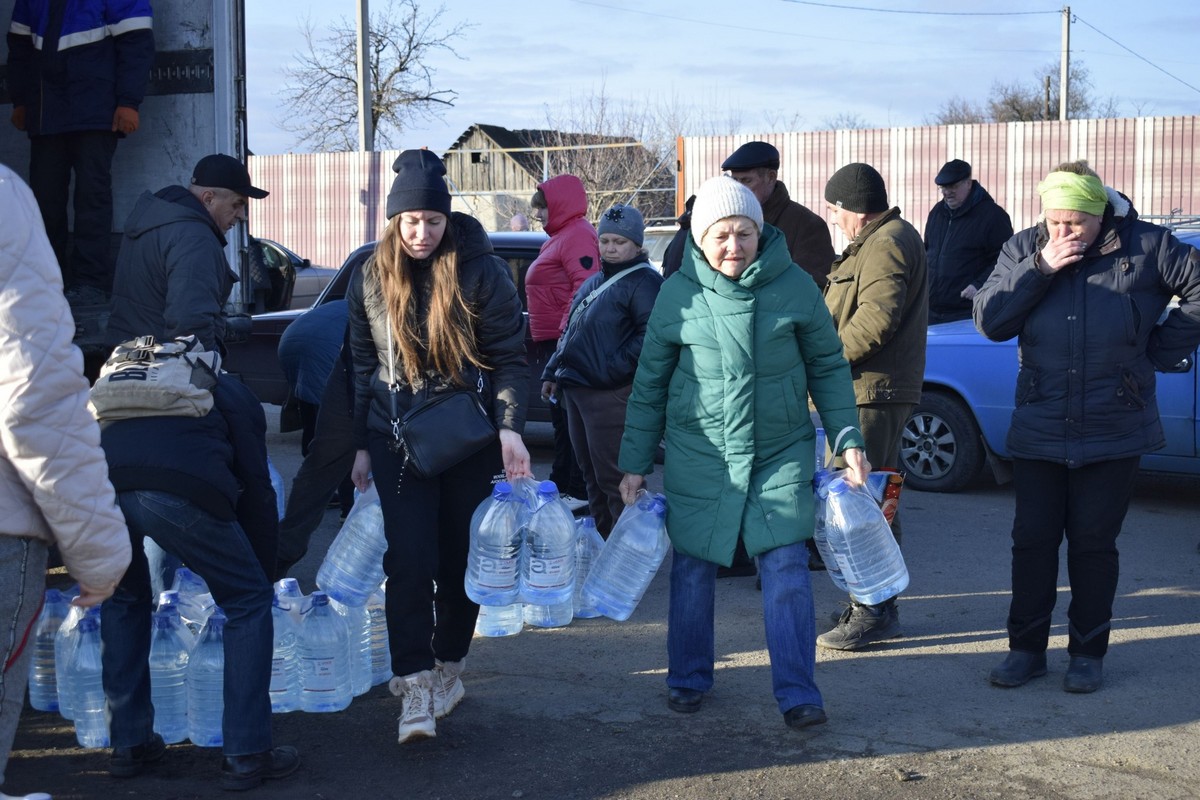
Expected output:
(963, 237)
(756, 166)
(172, 278)
(878, 297)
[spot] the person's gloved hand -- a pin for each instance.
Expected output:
(18, 117)
(125, 120)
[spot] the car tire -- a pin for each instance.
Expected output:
(941, 448)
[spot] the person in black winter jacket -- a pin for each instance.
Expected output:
(1083, 291)
(963, 237)
(200, 487)
(591, 372)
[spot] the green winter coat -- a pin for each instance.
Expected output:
(724, 373)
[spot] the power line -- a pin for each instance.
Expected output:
(841, 7)
(1077, 18)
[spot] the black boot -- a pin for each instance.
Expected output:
(1018, 669)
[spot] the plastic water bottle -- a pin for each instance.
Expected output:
(632, 555)
(548, 569)
(323, 646)
(353, 566)
(206, 683)
(554, 616)
(291, 599)
(500, 620)
(43, 688)
(820, 539)
(588, 544)
(168, 603)
(358, 645)
(277, 485)
(381, 653)
(195, 600)
(168, 675)
(64, 644)
(862, 544)
(285, 664)
(494, 559)
(87, 686)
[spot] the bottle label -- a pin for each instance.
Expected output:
(498, 573)
(320, 675)
(548, 573)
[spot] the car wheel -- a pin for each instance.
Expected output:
(941, 449)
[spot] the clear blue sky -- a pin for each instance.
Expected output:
(750, 66)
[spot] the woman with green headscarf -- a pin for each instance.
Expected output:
(1083, 290)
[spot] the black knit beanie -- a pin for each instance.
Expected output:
(419, 185)
(858, 188)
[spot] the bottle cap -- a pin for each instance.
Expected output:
(502, 488)
(547, 487)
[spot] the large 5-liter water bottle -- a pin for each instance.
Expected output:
(500, 620)
(358, 645)
(285, 664)
(353, 566)
(862, 544)
(632, 555)
(64, 645)
(323, 647)
(820, 539)
(43, 688)
(206, 683)
(494, 560)
(588, 544)
(169, 653)
(277, 485)
(381, 654)
(195, 600)
(87, 686)
(548, 568)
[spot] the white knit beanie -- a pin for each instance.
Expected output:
(723, 197)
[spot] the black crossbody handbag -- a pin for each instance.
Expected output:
(440, 431)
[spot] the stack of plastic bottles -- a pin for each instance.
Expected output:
(630, 558)
(856, 542)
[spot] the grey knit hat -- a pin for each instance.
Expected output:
(419, 185)
(723, 197)
(858, 188)
(624, 221)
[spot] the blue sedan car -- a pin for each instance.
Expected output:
(962, 420)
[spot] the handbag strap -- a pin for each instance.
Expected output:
(599, 290)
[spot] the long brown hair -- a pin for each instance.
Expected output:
(448, 339)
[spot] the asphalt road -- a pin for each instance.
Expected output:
(580, 712)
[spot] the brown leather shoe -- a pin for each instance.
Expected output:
(245, 772)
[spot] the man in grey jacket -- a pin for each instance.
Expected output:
(172, 278)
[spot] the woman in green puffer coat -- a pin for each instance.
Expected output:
(737, 341)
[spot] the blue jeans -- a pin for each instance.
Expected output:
(218, 551)
(787, 616)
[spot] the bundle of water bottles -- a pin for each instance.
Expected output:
(531, 563)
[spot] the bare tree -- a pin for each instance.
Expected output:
(1037, 99)
(846, 120)
(958, 111)
(322, 89)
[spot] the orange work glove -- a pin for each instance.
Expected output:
(18, 117)
(125, 120)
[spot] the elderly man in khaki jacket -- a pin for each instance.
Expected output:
(54, 485)
(879, 298)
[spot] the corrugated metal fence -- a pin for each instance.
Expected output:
(324, 205)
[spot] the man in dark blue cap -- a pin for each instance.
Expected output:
(963, 237)
(756, 165)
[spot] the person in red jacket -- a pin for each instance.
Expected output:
(568, 258)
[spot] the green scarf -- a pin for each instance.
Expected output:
(1066, 191)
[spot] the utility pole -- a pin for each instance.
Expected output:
(366, 123)
(1064, 67)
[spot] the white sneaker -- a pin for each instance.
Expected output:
(416, 715)
(448, 689)
(574, 503)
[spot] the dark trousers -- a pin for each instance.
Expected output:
(87, 154)
(564, 470)
(596, 418)
(1088, 504)
(881, 425)
(427, 524)
(324, 469)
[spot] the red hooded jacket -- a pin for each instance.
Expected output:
(568, 258)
